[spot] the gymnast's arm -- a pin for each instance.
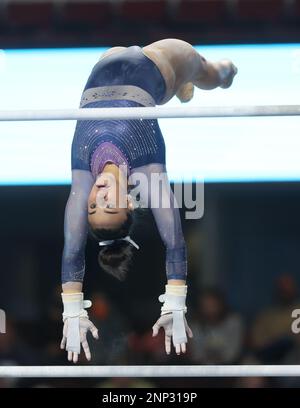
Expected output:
(75, 232)
(75, 317)
(167, 219)
(168, 222)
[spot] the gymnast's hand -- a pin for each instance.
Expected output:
(76, 326)
(173, 319)
(227, 71)
(166, 322)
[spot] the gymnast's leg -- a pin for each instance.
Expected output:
(184, 68)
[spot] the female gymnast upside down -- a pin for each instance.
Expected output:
(105, 155)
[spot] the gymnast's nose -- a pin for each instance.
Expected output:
(103, 194)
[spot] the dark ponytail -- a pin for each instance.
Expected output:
(115, 259)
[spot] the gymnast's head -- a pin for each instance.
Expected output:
(110, 217)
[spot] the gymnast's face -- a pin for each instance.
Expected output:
(108, 203)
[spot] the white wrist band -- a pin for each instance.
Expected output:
(74, 306)
(173, 299)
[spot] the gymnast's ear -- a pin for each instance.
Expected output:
(186, 92)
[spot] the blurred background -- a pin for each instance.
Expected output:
(76, 22)
(243, 254)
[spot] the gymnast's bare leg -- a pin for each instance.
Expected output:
(183, 68)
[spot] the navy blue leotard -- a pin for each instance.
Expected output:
(139, 141)
(139, 144)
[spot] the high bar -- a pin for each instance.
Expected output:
(150, 112)
(150, 371)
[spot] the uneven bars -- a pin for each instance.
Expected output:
(150, 371)
(150, 112)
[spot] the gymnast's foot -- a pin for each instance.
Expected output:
(227, 71)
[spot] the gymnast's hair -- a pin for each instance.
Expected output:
(116, 258)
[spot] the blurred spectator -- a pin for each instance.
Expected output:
(8, 382)
(124, 382)
(271, 333)
(51, 332)
(13, 349)
(113, 331)
(291, 358)
(146, 349)
(218, 332)
(251, 382)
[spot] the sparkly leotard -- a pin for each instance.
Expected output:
(125, 79)
(132, 142)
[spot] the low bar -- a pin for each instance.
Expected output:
(150, 371)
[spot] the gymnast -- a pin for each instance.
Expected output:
(105, 154)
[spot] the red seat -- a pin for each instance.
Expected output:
(38, 15)
(87, 13)
(201, 11)
(264, 10)
(149, 10)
